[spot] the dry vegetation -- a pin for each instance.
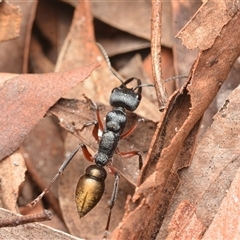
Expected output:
(188, 186)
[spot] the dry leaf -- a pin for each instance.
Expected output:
(198, 34)
(12, 174)
(122, 15)
(184, 223)
(15, 52)
(26, 98)
(225, 224)
(215, 164)
(10, 19)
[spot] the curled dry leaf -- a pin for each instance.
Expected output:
(182, 116)
(12, 174)
(197, 33)
(214, 166)
(25, 100)
(31, 230)
(10, 19)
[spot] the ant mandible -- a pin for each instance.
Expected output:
(91, 185)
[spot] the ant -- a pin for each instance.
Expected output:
(91, 185)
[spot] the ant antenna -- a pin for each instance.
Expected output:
(167, 80)
(144, 85)
(104, 53)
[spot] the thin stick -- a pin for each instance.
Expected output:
(20, 220)
(156, 54)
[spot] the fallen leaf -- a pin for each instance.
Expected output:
(26, 98)
(206, 182)
(10, 19)
(198, 34)
(111, 13)
(185, 224)
(12, 175)
(42, 166)
(225, 224)
(15, 52)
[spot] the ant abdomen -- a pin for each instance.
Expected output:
(90, 189)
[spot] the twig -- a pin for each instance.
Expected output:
(156, 54)
(20, 220)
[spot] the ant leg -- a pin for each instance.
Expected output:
(113, 198)
(98, 124)
(132, 129)
(86, 153)
(131, 154)
(60, 171)
(95, 129)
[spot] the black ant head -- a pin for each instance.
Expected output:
(126, 97)
(122, 96)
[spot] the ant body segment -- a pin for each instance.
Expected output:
(91, 185)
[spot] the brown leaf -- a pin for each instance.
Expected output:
(198, 34)
(26, 98)
(45, 140)
(10, 19)
(225, 224)
(111, 12)
(38, 60)
(15, 52)
(12, 174)
(216, 161)
(184, 223)
(122, 42)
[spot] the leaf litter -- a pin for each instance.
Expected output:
(172, 146)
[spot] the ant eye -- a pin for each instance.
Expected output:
(139, 97)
